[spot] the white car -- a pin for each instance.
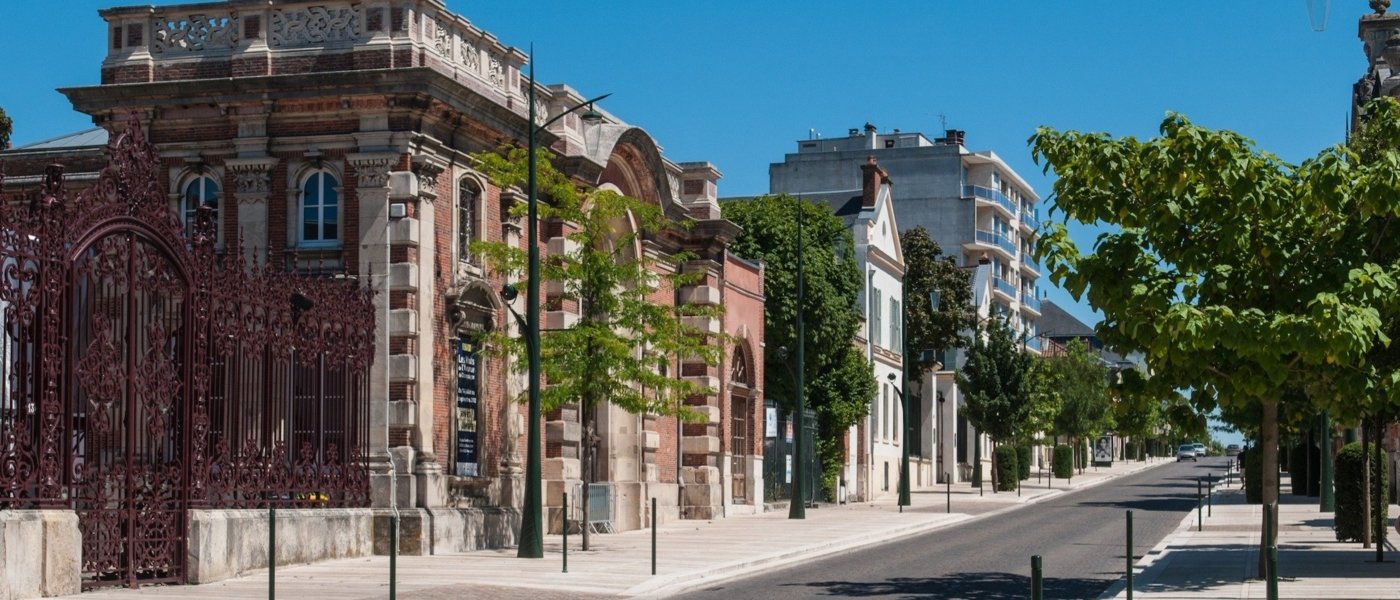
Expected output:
(1200, 449)
(1186, 451)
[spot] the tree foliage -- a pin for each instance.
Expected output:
(996, 382)
(6, 128)
(840, 382)
(927, 269)
(1079, 383)
(1234, 272)
(616, 351)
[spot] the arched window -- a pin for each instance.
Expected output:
(200, 191)
(320, 210)
(468, 201)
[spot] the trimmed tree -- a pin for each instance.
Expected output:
(996, 384)
(1080, 383)
(840, 382)
(1231, 270)
(927, 270)
(615, 352)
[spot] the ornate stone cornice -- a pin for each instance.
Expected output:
(251, 177)
(372, 169)
(428, 168)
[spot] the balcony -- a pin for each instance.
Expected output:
(1029, 301)
(990, 195)
(1033, 343)
(1005, 287)
(999, 240)
(1029, 220)
(1029, 263)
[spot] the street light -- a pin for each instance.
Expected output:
(531, 532)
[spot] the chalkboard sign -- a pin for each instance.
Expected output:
(468, 368)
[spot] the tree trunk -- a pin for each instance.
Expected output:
(1366, 483)
(1268, 445)
(586, 465)
(995, 459)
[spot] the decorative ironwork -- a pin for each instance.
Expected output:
(142, 373)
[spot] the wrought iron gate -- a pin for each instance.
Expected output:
(142, 373)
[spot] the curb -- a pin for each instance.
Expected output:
(684, 582)
(1154, 561)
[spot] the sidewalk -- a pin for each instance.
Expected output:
(1222, 560)
(691, 554)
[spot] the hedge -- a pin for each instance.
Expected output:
(1063, 461)
(1349, 491)
(1004, 462)
(1023, 462)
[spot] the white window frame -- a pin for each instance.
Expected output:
(301, 205)
(187, 212)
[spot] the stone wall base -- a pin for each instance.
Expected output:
(424, 531)
(226, 543)
(40, 554)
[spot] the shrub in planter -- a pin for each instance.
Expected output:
(1297, 458)
(1063, 461)
(1023, 462)
(1004, 461)
(1350, 493)
(1254, 475)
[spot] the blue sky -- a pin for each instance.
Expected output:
(737, 83)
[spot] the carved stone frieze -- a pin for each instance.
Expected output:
(314, 25)
(372, 170)
(496, 71)
(442, 39)
(469, 55)
(427, 170)
(193, 33)
(252, 178)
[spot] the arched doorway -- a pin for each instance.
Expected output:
(741, 426)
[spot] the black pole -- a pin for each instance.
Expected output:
(393, 555)
(904, 396)
(566, 532)
(797, 509)
(531, 534)
(1210, 494)
(653, 536)
(1199, 523)
(271, 553)
(1272, 563)
(1037, 587)
(1129, 555)
(948, 490)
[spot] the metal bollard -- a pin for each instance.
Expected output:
(393, 555)
(1272, 562)
(1129, 555)
(1199, 523)
(1210, 495)
(1037, 585)
(566, 532)
(948, 490)
(271, 553)
(653, 536)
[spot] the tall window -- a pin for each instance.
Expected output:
(468, 199)
(320, 210)
(203, 190)
(895, 333)
(875, 317)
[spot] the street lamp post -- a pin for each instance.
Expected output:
(531, 531)
(797, 508)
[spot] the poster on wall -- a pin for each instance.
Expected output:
(770, 421)
(1103, 451)
(788, 477)
(468, 364)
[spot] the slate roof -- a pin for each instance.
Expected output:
(95, 136)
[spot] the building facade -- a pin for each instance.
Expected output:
(337, 137)
(972, 203)
(874, 448)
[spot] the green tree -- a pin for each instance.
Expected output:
(840, 382)
(1137, 409)
(926, 270)
(613, 353)
(1232, 271)
(6, 127)
(1079, 382)
(996, 384)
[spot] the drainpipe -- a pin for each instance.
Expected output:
(870, 354)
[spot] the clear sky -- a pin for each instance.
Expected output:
(737, 83)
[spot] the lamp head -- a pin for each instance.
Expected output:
(509, 293)
(891, 377)
(591, 116)
(782, 352)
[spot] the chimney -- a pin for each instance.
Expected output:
(872, 177)
(699, 192)
(955, 137)
(870, 136)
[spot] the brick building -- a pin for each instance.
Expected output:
(337, 136)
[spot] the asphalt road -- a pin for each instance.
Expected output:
(1079, 535)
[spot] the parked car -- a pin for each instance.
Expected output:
(1200, 449)
(1185, 452)
(1232, 450)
